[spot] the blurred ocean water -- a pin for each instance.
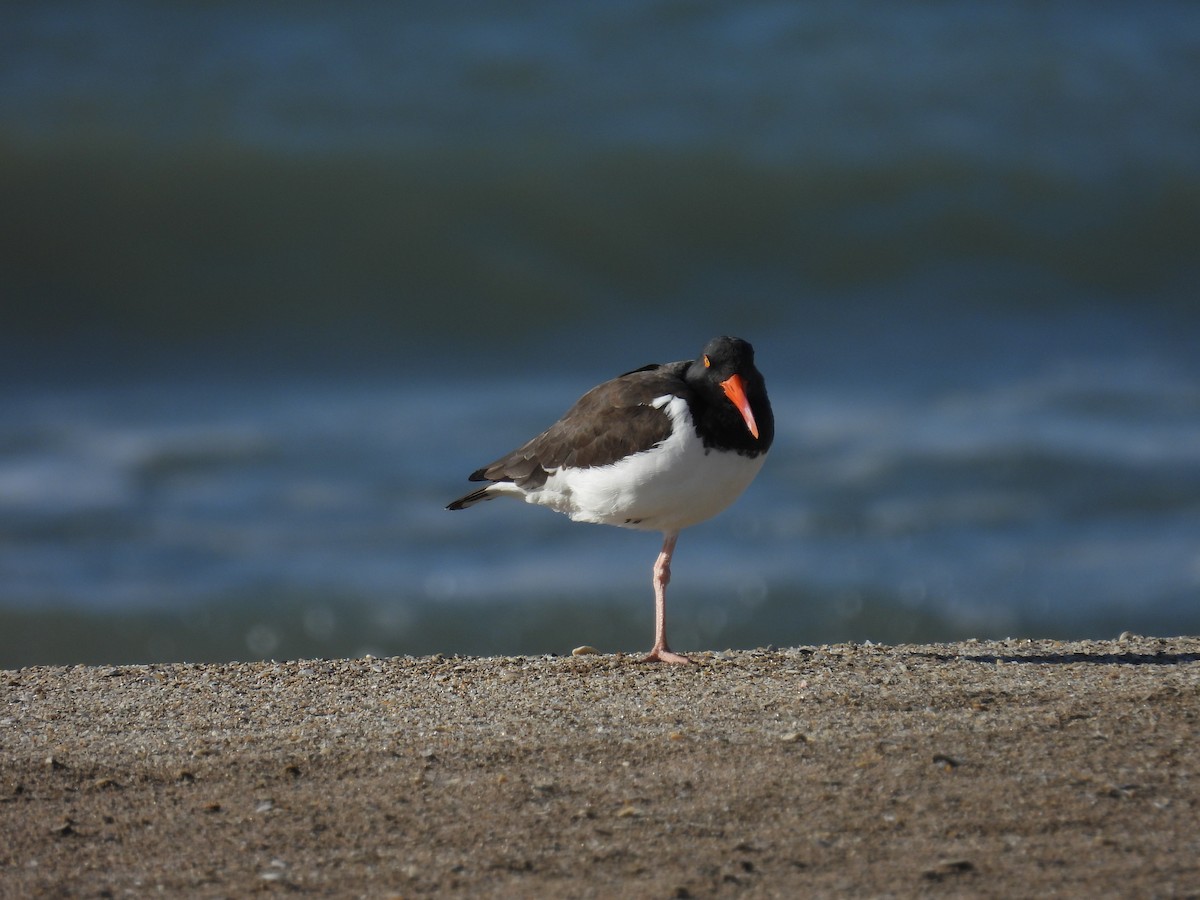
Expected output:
(275, 278)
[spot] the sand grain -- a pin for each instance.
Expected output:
(1010, 768)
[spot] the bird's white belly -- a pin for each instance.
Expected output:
(667, 488)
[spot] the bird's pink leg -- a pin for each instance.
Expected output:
(662, 577)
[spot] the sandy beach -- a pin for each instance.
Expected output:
(1014, 768)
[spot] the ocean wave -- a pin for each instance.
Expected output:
(220, 172)
(246, 244)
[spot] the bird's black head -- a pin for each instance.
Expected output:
(725, 369)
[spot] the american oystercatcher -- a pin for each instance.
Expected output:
(657, 449)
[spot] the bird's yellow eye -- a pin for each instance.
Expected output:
(706, 362)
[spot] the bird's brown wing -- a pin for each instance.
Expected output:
(609, 422)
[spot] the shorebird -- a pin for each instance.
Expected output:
(656, 449)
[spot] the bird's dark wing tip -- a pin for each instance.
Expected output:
(470, 499)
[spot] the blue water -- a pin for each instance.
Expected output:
(277, 277)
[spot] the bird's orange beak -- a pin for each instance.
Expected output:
(737, 396)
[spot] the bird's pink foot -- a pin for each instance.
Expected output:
(662, 654)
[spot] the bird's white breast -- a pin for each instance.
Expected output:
(675, 484)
